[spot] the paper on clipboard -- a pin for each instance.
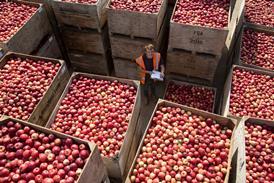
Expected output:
(156, 75)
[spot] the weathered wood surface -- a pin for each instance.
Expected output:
(205, 39)
(94, 170)
(136, 24)
(92, 16)
(195, 65)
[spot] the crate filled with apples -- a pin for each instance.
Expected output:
(192, 95)
(184, 144)
(260, 13)
(23, 26)
(30, 86)
(30, 153)
(256, 48)
(204, 26)
(249, 92)
(103, 110)
(255, 158)
(137, 19)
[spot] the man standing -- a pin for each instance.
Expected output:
(150, 61)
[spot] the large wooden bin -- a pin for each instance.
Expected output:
(205, 39)
(126, 47)
(136, 24)
(231, 124)
(92, 16)
(181, 83)
(94, 170)
(237, 54)
(240, 172)
(29, 36)
(228, 85)
(195, 65)
(43, 109)
(115, 165)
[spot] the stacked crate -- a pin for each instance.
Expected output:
(129, 32)
(85, 34)
(34, 36)
(196, 52)
(260, 48)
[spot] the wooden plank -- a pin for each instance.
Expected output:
(87, 41)
(43, 109)
(29, 36)
(91, 16)
(136, 24)
(50, 49)
(125, 47)
(237, 52)
(126, 69)
(91, 63)
(228, 85)
(195, 65)
(181, 83)
(93, 171)
(204, 39)
(231, 124)
(115, 165)
(241, 160)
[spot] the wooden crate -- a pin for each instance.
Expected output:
(29, 36)
(94, 170)
(126, 69)
(136, 24)
(222, 120)
(127, 47)
(196, 65)
(43, 109)
(116, 165)
(49, 48)
(241, 160)
(92, 16)
(87, 41)
(91, 62)
(228, 85)
(181, 83)
(237, 54)
(204, 39)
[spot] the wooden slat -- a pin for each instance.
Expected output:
(116, 165)
(50, 49)
(126, 69)
(29, 36)
(130, 48)
(87, 41)
(205, 39)
(91, 63)
(195, 65)
(91, 16)
(93, 171)
(136, 24)
(221, 120)
(43, 109)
